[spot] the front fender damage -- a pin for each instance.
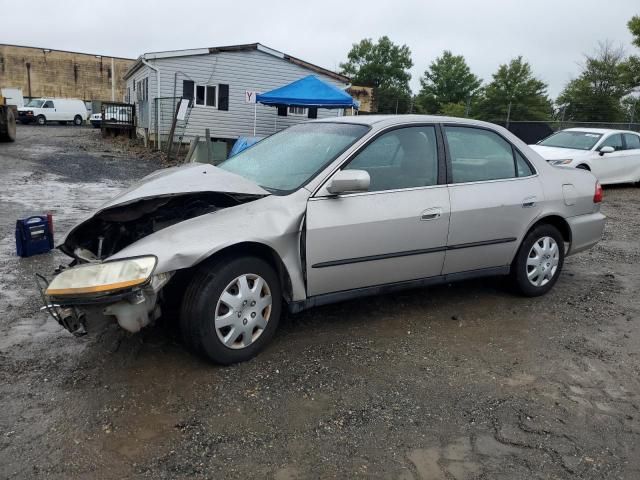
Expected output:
(273, 221)
(181, 231)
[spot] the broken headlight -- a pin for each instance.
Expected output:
(104, 277)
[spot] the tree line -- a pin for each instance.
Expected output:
(602, 92)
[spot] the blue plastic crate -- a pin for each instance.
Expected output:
(34, 235)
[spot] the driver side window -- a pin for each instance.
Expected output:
(48, 104)
(614, 141)
(402, 158)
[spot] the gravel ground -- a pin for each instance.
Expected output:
(456, 382)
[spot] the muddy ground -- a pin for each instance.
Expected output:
(457, 382)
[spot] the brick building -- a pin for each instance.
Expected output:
(44, 72)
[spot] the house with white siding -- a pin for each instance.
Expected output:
(222, 83)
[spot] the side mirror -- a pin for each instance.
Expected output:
(606, 149)
(348, 181)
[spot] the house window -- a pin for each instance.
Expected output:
(216, 96)
(297, 111)
(210, 96)
(142, 89)
(206, 95)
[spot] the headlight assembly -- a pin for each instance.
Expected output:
(104, 277)
(561, 162)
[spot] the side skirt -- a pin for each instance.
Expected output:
(334, 297)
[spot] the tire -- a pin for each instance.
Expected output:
(584, 167)
(41, 120)
(252, 328)
(77, 120)
(535, 271)
(7, 126)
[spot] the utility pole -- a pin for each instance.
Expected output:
(396, 106)
(508, 114)
(633, 113)
(113, 80)
(467, 107)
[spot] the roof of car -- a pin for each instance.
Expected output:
(601, 131)
(387, 120)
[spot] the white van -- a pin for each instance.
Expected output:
(63, 110)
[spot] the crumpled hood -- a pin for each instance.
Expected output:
(190, 178)
(557, 153)
(193, 178)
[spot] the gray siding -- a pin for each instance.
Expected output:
(243, 70)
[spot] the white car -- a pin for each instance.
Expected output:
(613, 156)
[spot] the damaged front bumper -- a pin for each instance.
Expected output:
(133, 309)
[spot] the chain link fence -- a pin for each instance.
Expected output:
(164, 115)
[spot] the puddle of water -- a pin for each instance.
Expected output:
(24, 193)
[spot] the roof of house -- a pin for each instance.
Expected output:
(235, 48)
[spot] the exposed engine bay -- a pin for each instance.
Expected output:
(113, 229)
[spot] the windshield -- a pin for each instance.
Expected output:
(35, 103)
(572, 139)
(287, 160)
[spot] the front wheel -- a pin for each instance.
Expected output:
(41, 120)
(231, 309)
(77, 120)
(539, 261)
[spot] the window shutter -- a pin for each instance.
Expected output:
(188, 87)
(223, 97)
(282, 111)
(313, 112)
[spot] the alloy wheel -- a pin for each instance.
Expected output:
(243, 311)
(542, 261)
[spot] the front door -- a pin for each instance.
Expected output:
(50, 111)
(394, 232)
(495, 195)
(610, 167)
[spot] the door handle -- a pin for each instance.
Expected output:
(529, 202)
(431, 214)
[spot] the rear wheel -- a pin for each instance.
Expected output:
(231, 309)
(77, 120)
(539, 261)
(41, 120)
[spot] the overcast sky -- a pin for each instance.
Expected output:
(552, 35)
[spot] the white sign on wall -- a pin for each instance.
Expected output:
(250, 96)
(182, 110)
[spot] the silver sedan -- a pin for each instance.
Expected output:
(322, 212)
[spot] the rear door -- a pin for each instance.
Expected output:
(632, 148)
(396, 231)
(495, 194)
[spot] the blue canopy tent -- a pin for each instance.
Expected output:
(308, 92)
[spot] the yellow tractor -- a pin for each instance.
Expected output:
(7, 122)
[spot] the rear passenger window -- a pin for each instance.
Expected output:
(402, 158)
(479, 155)
(522, 166)
(632, 141)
